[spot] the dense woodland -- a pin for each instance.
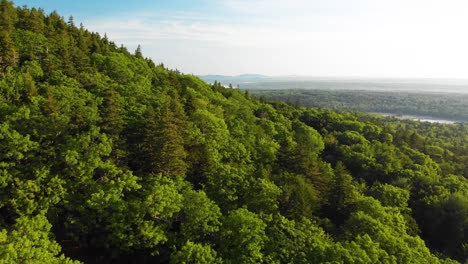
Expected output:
(451, 106)
(106, 157)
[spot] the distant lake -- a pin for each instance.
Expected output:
(417, 118)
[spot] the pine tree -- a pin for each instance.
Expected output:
(138, 53)
(71, 22)
(8, 54)
(163, 143)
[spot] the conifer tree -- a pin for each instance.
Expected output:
(171, 158)
(138, 52)
(8, 54)
(71, 22)
(163, 143)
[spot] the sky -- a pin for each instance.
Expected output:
(323, 38)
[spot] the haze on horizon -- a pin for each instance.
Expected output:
(349, 38)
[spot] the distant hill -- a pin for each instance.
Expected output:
(237, 79)
(264, 82)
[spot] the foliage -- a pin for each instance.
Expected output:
(106, 157)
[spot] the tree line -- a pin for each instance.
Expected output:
(450, 106)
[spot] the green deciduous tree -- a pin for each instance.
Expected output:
(195, 253)
(242, 237)
(29, 241)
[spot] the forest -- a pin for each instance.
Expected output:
(106, 157)
(450, 106)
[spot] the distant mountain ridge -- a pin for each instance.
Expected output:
(242, 78)
(262, 82)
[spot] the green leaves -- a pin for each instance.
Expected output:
(119, 160)
(28, 241)
(195, 253)
(242, 237)
(201, 216)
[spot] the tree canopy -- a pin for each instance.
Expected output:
(106, 157)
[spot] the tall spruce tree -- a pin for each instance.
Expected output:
(8, 53)
(163, 140)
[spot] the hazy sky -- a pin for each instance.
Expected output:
(361, 38)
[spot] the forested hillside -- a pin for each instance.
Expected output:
(106, 157)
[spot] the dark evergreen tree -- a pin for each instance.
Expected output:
(138, 53)
(8, 53)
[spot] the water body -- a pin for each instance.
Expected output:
(418, 118)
